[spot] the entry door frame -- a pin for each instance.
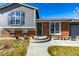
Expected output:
(41, 29)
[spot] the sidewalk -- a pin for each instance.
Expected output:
(38, 49)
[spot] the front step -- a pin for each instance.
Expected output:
(43, 40)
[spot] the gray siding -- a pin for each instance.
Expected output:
(29, 17)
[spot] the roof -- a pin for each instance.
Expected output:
(56, 19)
(61, 19)
(8, 4)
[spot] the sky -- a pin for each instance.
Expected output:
(56, 10)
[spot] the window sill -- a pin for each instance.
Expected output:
(15, 25)
(55, 34)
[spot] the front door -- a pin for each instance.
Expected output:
(18, 33)
(39, 28)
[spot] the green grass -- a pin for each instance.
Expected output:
(14, 47)
(63, 50)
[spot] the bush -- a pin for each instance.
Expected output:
(14, 48)
(63, 51)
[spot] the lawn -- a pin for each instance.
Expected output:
(63, 50)
(14, 47)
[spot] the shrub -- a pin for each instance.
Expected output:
(63, 51)
(14, 48)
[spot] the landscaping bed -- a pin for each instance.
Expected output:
(13, 47)
(63, 50)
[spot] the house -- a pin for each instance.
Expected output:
(17, 19)
(20, 19)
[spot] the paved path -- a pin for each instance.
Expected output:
(38, 49)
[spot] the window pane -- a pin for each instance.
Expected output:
(12, 21)
(22, 14)
(57, 24)
(18, 18)
(17, 21)
(17, 13)
(12, 18)
(57, 27)
(52, 27)
(57, 30)
(22, 20)
(9, 18)
(12, 14)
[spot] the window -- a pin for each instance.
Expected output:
(16, 18)
(55, 27)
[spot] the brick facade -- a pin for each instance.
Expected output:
(18, 33)
(65, 28)
(30, 33)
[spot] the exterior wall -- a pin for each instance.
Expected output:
(31, 32)
(45, 28)
(29, 16)
(12, 30)
(65, 28)
(5, 33)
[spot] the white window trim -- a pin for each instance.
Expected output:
(54, 33)
(34, 18)
(20, 18)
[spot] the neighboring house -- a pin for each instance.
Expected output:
(19, 19)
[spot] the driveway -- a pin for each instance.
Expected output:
(38, 49)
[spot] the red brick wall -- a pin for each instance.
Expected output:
(64, 29)
(30, 33)
(18, 33)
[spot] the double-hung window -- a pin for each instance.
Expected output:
(16, 18)
(55, 27)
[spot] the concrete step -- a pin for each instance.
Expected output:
(41, 41)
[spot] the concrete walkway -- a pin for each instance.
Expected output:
(38, 49)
